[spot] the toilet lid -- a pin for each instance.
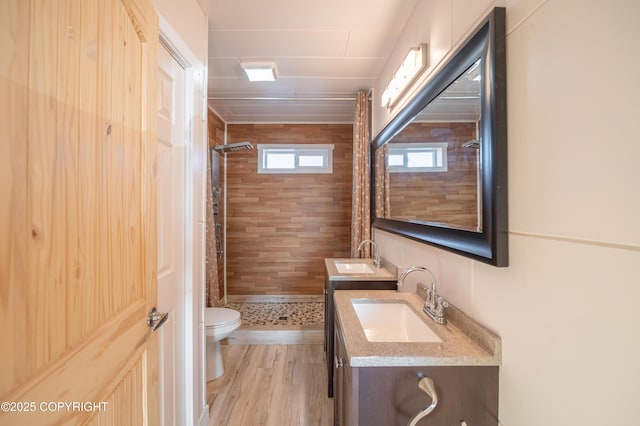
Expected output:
(217, 317)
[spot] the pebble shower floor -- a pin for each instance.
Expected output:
(280, 313)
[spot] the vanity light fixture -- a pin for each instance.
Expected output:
(260, 71)
(414, 62)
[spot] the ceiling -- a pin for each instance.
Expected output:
(325, 52)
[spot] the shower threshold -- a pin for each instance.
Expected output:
(278, 320)
(276, 335)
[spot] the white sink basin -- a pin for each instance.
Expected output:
(354, 268)
(392, 321)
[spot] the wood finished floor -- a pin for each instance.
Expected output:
(279, 385)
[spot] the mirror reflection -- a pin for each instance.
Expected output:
(430, 171)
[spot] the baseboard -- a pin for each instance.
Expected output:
(276, 298)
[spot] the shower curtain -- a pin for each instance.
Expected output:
(212, 283)
(361, 215)
(383, 204)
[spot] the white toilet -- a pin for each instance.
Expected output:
(219, 323)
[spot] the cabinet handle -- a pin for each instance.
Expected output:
(426, 385)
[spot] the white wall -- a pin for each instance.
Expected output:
(185, 25)
(567, 306)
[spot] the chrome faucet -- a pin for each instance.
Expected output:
(377, 260)
(434, 304)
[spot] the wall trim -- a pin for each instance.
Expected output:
(583, 241)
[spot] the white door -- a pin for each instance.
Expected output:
(171, 235)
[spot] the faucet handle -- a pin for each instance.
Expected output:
(441, 305)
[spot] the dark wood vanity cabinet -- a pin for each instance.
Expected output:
(329, 312)
(385, 396)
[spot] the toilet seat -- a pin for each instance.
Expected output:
(220, 317)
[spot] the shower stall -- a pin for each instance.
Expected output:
(265, 319)
(216, 288)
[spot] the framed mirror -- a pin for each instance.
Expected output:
(439, 168)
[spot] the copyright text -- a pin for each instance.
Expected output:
(52, 406)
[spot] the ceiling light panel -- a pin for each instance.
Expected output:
(260, 71)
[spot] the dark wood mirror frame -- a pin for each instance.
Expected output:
(487, 43)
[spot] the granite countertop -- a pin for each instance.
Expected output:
(386, 272)
(464, 341)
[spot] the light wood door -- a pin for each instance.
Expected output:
(78, 230)
(171, 235)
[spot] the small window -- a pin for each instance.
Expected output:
(302, 158)
(417, 157)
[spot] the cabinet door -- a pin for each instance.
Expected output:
(343, 385)
(326, 315)
(338, 383)
(465, 393)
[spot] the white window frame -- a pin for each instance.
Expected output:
(298, 150)
(404, 149)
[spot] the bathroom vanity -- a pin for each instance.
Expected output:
(354, 274)
(376, 382)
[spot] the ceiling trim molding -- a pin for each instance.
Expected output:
(280, 98)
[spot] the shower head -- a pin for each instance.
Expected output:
(471, 144)
(233, 147)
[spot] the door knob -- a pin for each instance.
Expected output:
(155, 319)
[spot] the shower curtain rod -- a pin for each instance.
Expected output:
(277, 98)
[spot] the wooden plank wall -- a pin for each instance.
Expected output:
(281, 227)
(216, 129)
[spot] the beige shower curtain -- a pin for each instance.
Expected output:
(361, 215)
(212, 283)
(383, 205)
